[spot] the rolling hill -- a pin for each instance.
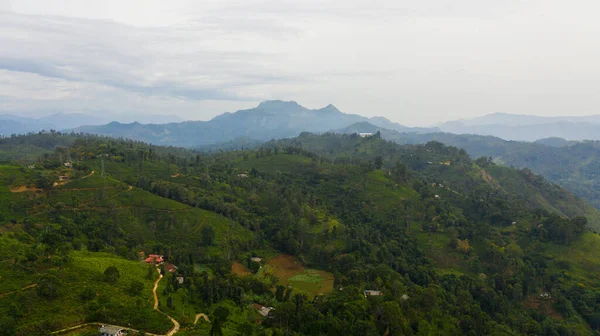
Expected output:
(571, 164)
(337, 232)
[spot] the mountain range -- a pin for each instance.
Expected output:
(269, 120)
(12, 123)
(527, 127)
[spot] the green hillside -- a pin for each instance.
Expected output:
(454, 246)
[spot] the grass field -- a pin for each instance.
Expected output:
(583, 256)
(291, 272)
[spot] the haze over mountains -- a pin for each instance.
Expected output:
(11, 123)
(527, 127)
(269, 120)
(281, 119)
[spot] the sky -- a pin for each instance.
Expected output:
(414, 62)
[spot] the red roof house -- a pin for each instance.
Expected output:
(155, 259)
(170, 267)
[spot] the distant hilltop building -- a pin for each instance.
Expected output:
(370, 292)
(364, 135)
(106, 330)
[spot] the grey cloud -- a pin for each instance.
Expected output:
(411, 61)
(120, 56)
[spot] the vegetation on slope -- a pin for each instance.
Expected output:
(454, 246)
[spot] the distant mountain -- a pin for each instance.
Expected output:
(15, 124)
(63, 121)
(555, 142)
(144, 119)
(385, 123)
(527, 127)
(269, 120)
(510, 119)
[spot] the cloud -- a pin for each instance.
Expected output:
(411, 61)
(124, 57)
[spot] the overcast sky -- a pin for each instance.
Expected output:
(415, 62)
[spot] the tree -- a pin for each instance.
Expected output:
(48, 287)
(135, 287)
(151, 273)
(44, 180)
(208, 235)
(111, 275)
(279, 292)
(221, 314)
(378, 162)
(87, 294)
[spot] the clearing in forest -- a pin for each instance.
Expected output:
(291, 272)
(240, 270)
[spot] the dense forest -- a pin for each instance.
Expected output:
(339, 234)
(571, 164)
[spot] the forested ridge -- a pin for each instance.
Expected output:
(571, 164)
(454, 246)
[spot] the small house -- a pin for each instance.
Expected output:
(242, 175)
(370, 292)
(404, 297)
(31, 167)
(179, 280)
(364, 135)
(262, 310)
(170, 268)
(256, 259)
(436, 196)
(63, 178)
(155, 259)
(106, 330)
(68, 164)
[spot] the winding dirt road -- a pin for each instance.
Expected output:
(176, 325)
(171, 332)
(198, 316)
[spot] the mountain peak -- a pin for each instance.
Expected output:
(277, 103)
(329, 108)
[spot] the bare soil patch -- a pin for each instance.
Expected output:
(545, 306)
(240, 270)
(489, 179)
(285, 266)
(24, 189)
